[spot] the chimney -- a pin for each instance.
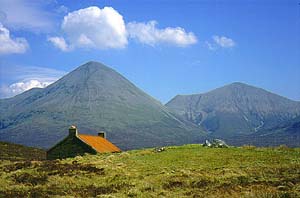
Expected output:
(101, 134)
(73, 131)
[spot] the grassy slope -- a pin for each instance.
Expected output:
(185, 171)
(10, 151)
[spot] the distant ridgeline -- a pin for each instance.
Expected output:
(97, 98)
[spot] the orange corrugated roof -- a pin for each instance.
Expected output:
(100, 144)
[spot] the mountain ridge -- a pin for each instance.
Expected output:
(235, 109)
(94, 97)
(230, 84)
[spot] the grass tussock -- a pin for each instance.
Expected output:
(30, 179)
(185, 171)
(55, 168)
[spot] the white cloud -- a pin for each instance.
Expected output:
(93, 27)
(223, 41)
(220, 42)
(10, 45)
(17, 79)
(60, 43)
(148, 33)
(210, 46)
(105, 28)
(19, 87)
(11, 90)
(24, 14)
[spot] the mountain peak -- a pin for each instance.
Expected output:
(93, 65)
(95, 98)
(94, 79)
(95, 72)
(235, 109)
(237, 88)
(238, 84)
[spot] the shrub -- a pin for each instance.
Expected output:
(54, 168)
(173, 184)
(17, 166)
(202, 183)
(26, 178)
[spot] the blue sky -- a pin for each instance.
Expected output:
(164, 47)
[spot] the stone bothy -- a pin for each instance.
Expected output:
(78, 144)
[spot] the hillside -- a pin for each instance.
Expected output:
(284, 133)
(291, 127)
(185, 171)
(9, 151)
(234, 110)
(95, 98)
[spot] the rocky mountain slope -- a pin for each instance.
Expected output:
(93, 97)
(236, 110)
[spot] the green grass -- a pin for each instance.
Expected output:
(183, 171)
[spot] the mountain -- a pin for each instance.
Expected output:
(94, 97)
(235, 110)
(287, 133)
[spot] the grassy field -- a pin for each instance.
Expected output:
(16, 152)
(183, 171)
